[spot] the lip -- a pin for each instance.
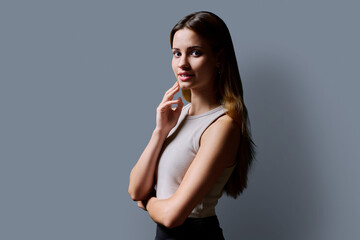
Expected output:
(184, 76)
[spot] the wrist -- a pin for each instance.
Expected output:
(160, 133)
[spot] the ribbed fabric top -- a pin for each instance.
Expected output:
(179, 150)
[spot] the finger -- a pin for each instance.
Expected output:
(141, 205)
(180, 105)
(171, 92)
(168, 104)
(176, 84)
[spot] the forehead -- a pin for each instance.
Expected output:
(185, 37)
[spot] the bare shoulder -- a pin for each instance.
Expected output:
(224, 125)
(222, 138)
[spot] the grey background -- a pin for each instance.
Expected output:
(80, 81)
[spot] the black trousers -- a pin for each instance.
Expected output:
(193, 228)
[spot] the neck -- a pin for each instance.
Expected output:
(202, 101)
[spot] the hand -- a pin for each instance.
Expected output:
(166, 116)
(141, 205)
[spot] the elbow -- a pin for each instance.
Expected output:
(134, 195)
(137, 194)
(167, 212)
(173, 221)
(170, 224)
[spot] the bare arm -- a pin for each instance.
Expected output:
(142, 176)
(217, 151)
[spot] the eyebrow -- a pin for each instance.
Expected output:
(192, 47)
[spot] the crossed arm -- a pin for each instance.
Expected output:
(217, 151)
(218, 148)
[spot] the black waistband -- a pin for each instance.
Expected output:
(193, 228)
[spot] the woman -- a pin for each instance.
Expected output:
(199, 150)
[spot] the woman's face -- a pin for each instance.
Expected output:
(194, 63)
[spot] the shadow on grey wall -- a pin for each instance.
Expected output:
(283, 200)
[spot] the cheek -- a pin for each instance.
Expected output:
(173, 65)
(206, 68)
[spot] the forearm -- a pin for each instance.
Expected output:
(142, 176)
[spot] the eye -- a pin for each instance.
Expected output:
(196, 53)
(176, 54)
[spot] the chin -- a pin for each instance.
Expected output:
(184, 86)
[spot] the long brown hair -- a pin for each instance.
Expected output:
(228, 86)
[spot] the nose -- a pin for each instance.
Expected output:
(183, 62)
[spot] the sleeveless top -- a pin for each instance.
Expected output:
(177, 153)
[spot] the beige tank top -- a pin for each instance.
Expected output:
(179, 150)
